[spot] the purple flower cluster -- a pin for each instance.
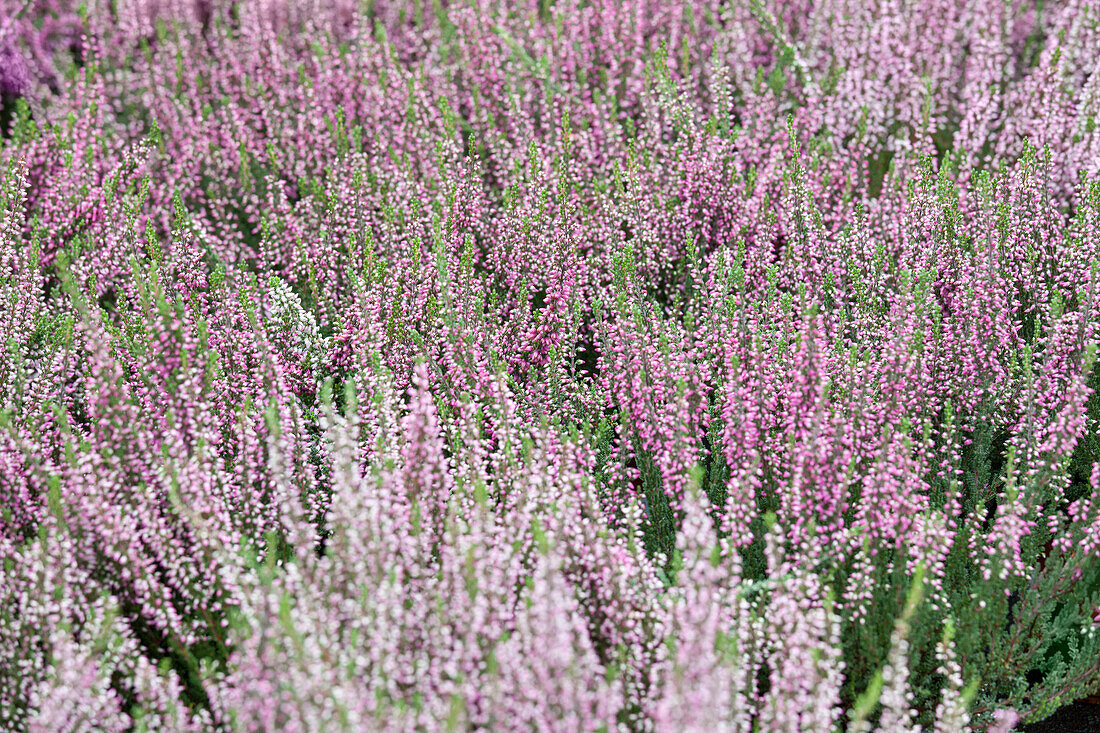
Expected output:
(14, 75)
(39, 39)
(584, 365)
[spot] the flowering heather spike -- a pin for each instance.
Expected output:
(951, 713)
(705, 684)
(562, 365)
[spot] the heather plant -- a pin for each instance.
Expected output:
(553, 365)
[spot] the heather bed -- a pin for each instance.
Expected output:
(560, 366)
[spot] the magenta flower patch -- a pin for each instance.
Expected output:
(14, 75)
(588, 365)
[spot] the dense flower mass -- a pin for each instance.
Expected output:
(559, 365)
(14, 76)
